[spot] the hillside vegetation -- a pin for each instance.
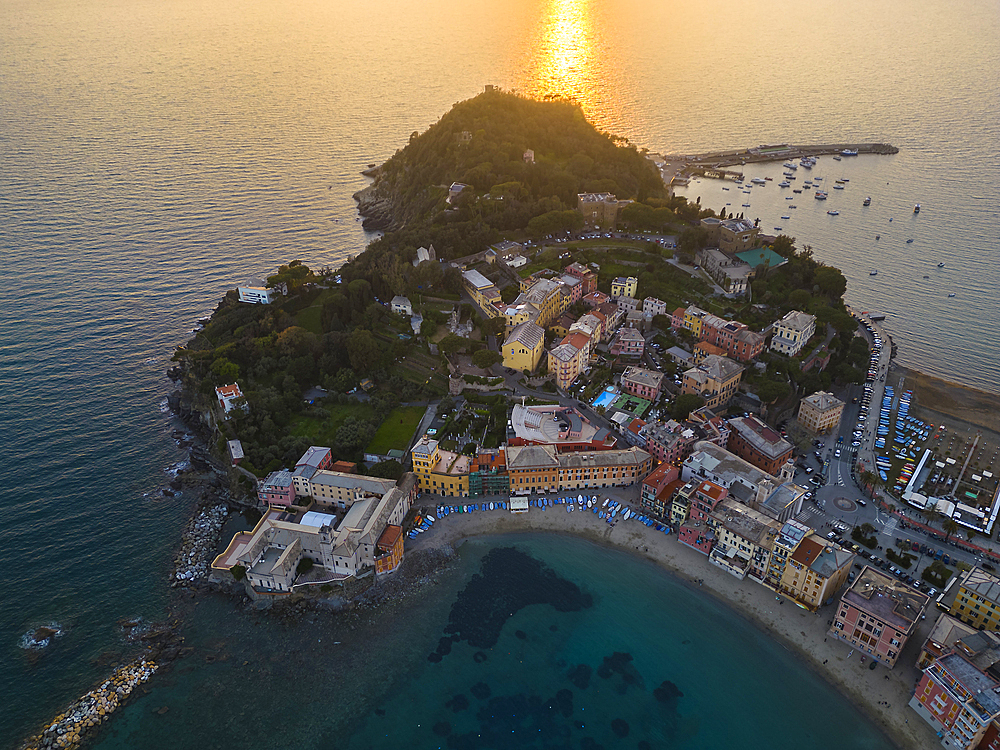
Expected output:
(482, 142)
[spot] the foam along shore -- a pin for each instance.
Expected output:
(880, 693)
(68, 729)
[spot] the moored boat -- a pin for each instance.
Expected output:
(916, 209)
(833, 213)
(867, 201)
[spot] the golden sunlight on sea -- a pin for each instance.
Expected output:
(561, 60)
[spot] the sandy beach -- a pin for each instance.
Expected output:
(959, 402)
(882, 694)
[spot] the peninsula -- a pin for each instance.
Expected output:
(545, 338)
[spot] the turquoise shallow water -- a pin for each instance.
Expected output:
(555, 650)
(153, 155)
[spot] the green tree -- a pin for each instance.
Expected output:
(493, 326)
(451, 344)
(784, 245)
(769, 391)
(363, 350)
(950, 526)
(830, 281)
(485, 358)
(224, 371)
(685, 404)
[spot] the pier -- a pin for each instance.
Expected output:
(677, 169)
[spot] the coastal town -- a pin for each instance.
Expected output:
(642, 374)
(746, 495)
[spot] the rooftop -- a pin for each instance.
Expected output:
(282, 478)
(796, 320)
(629, 334)
(313, 456)
(476, 279)
(744, 521)
(528, 334)
(554, 424)
(886, 598)
(823, 401)
(531, 456)
(642, 376)
(979, 582)
(718, 368)
(583, 459)
(982, 688)
(761, 437)
(725, 466)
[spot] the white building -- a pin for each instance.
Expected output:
(228, 395)
(792, 332)
(255, 293)
(401, 306)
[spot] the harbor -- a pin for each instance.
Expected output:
(678, 169)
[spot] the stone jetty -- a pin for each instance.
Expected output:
(68, 729)
(198, 544)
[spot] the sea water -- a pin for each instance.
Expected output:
(533, 641)
(154, 155)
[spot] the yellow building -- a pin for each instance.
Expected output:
(692, 320)
(624, 286)
(439, 471)
(815, 572)
(524, 347)
(820, 412)
(716, 379)
(978, 600)
(567, 360)
(483, 292)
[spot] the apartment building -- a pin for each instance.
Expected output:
(820, 412)
(761, 445)
(628, 344)
(715, 379)
(641, 382)
(815, 571)
(793, 332)
(438, 471)
(878, 614)
(960, 701)
(624, 286)
(977, 601)
(541, 468)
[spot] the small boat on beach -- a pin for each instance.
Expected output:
(849, 152)
(790, 165)
(909, 241)
(784, 183)
(836, 157)
(867, 201)
(838, 187)
(940, 265)
(786, 217)
(820, 195)
(777, 229)
(833, 213)
(952, 294)
(758, 181)
(796, 191)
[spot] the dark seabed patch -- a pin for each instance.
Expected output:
(620, 664)
(620, 728)
(442, 729)
(458, 703)
(480, 691)
(580, 676)
(508, 581)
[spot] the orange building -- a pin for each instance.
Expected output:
(389, 549)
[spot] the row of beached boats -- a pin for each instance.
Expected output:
(610, 511)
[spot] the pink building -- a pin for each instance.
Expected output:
(642, 382)
(877, 614)
(595, 299)
(628, 344)
(669, 442)
(277, 489)
(588, 277)
(696, 531)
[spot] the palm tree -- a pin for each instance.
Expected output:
(950, 526)
(867, 479)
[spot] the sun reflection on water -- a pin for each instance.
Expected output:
(566, 59)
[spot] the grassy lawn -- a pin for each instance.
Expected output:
(396, 430)
(324, 431)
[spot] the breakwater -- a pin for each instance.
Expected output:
(87, 713)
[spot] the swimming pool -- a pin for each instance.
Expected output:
(607, 396)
